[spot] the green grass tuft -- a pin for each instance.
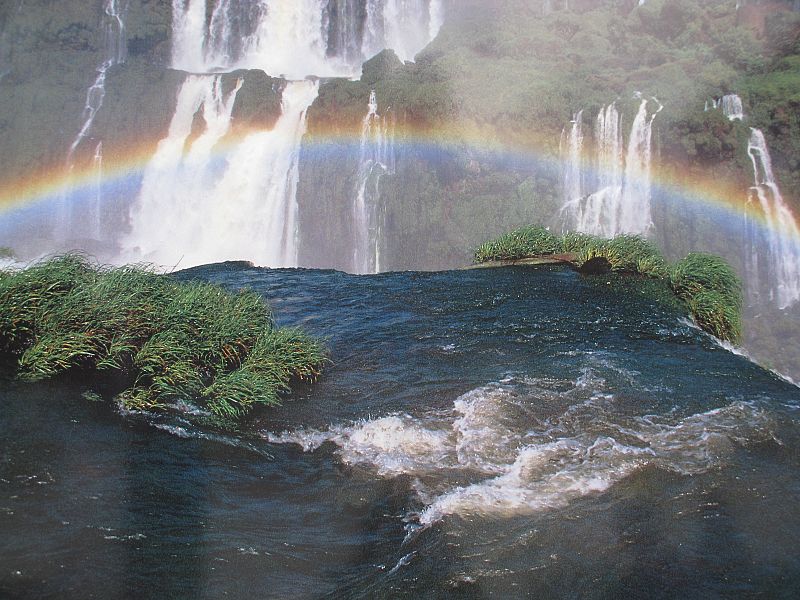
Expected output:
(574, 242)
(172, 341)
(527, 241)
(713, 293)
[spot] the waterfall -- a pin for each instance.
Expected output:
(209, 206)
(405, 26)
(178, 185)
(299, 37)
(409, 25)
(634, 210)
(97, 199)
(571, 148)
(731, 105)
(780, 235)
(376, 159)
(620, 202)
(197, 206)
(772, 251)
(112, 27)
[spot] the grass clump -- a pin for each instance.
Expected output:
(624, 254)
(527, 241)
(636, 254)
(575, 242)
(713, 292)
(169, 341)
(708, 286)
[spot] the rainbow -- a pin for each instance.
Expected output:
(52, 186)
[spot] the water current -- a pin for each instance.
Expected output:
(499, 433)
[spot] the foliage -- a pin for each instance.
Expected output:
(714, 313)
(170, 340)
(637, 255)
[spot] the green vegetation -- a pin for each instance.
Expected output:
(707, 284)
(528, 241)
(713, 292)
(625, 253)
(167, 341)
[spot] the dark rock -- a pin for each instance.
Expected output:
(598, 265)
(380, 67)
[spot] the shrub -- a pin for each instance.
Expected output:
(716, 314)
(698, 272)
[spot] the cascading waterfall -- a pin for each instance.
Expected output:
(731, 105)
(345, 30)
(771, 252)
(113, 28)
(571, 148)
(213, 208)
(115, 49)
(376, 160)
(177, 185)
(97, 168)
(408, 25)
(201, 207)
(298, 38)
(621, 200)
(780, 236)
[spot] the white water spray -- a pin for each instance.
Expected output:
(485, 457)
(295, 38)
(376, 160)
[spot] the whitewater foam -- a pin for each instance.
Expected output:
(526, 446)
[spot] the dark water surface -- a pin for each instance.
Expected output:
(499, 433)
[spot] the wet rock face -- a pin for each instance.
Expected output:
(50, 51)
(258, 102)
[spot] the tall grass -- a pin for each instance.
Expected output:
(527, 241)
(713, 292)
(169, 340)
(626, 254)
(709, 287)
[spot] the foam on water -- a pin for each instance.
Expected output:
(527, 445)
(394, 444)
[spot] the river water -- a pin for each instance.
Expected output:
(499, 433)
